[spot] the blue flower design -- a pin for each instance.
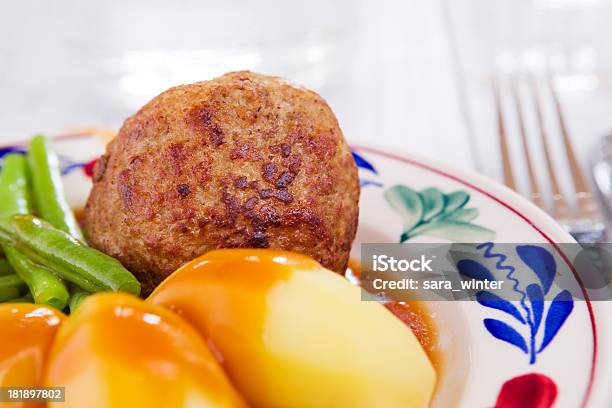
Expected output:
(530, 310)
(364, 164)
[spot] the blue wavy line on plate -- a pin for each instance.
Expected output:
(501, 266)
(542, 264)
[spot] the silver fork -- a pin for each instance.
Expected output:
(579, 215)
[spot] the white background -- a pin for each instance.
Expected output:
(409, 74)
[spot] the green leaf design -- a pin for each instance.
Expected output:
(461, 214)
(461, 231)
(407, 203)
(455, 200)
(434, 213)
(433, 202)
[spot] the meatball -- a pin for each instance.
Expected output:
(243, 160)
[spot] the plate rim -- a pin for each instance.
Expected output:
(539, 220)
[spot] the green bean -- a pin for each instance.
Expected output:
(14, 192)
(86, 267)
(5, 268)
(27, 298)
(45, 287)
(49, 194)
(77, 295)
(11, 286)
(7, 237)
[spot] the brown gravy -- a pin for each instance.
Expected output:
(79, 214)
(414, 314)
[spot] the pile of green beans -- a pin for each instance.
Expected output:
(44, 249)
(5, 267)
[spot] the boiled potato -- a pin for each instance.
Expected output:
(26, 334)
(118, 351)
(294, 334)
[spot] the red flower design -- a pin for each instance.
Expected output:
(88, 168)
(527, 391)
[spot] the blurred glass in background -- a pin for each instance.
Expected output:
(413, 75)
(564, 39)
(383, 66)
(72, 62)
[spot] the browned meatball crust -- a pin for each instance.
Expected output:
(243, 160)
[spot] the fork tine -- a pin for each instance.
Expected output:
(584, 198)
(560, 207)
(536, 195)
(503, 143)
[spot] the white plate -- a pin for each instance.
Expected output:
(574, 368)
